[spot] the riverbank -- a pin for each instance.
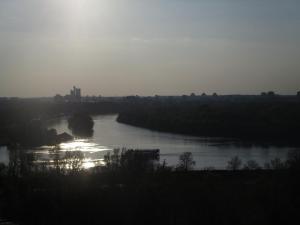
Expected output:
(23, 121)
(270, 122)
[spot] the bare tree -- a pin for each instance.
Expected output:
(74, 161)
(56, 158)
(186, 161)
(275, 164)
(234, 163)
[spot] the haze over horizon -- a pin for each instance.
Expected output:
(170, 47)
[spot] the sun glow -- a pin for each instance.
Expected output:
(82, 14)
(88, 163)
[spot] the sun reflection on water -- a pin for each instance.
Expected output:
(83, 146)
(90, 163)
(93, 153)
(89, 149)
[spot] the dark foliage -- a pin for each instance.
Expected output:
(81, 124)
(241, 197)
(33, 133)
(19, 116)
(32, 194)
(270, 121)
(132, 160)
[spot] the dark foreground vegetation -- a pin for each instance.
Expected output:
(131, 189)
(274, 120)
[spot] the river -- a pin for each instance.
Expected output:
(109, 134)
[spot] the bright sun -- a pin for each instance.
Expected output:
(81, 14)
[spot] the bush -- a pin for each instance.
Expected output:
(252, 165)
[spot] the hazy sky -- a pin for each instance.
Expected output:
(147, 47)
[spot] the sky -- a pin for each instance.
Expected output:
(149, 47)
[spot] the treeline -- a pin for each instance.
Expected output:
(119, 193)
(14, 111)
(25, 121)
(272, 121)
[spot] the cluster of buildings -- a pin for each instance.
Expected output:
(74, 96)
(75, 93)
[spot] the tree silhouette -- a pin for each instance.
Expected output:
(275, 164)
(234, 163)
(293, 161)
(73, 161)
(186, 161)
(252, 165)
(81, 124)
(55, 156)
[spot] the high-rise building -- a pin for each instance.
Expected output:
(75, 94)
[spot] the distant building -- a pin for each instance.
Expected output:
(75, 94)
(298, 93)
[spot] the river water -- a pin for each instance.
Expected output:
(109, 134)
